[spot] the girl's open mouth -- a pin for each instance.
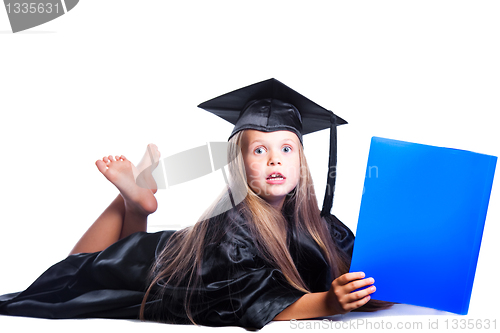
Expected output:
(275, 178)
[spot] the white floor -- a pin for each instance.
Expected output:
(402, 316)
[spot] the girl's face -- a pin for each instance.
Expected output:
(272, 163)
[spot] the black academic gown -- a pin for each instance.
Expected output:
(239, 288)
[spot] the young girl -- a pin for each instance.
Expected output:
(269, 256)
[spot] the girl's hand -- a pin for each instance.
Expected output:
(341, 298)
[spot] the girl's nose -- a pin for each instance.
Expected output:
(273, 160)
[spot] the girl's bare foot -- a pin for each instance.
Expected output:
(151, 157)
(120, 172)
(143, 173)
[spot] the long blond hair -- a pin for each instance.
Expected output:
(180, 262)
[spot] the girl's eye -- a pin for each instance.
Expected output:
(286, 149)
(260, 150)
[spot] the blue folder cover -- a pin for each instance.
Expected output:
(421, 222)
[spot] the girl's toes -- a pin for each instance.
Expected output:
(101, 166)
(111, 158)
(105, 159)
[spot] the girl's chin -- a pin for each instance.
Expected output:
(273, 193)
(275, 198)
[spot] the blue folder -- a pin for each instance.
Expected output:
(421, 222)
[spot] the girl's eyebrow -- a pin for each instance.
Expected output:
(290, 140)
(266, 141)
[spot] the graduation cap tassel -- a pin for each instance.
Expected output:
(332, 168)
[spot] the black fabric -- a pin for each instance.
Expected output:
(270, 115)
(231, 105)
(332, 169)
(239, 287)
(107, 284)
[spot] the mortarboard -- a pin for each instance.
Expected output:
(270, 106)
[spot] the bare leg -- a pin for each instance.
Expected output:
(105, 230)
(128, 212)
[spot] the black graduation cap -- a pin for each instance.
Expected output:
(272, 106)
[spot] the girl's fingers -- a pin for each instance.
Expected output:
(348, 277)
(359, 303)
(353, 290)
(359, 284)
(360, 294)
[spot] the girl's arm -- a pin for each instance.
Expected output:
(339, 299)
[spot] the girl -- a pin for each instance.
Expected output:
(266, 255)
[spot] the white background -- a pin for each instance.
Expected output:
(111, 76)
